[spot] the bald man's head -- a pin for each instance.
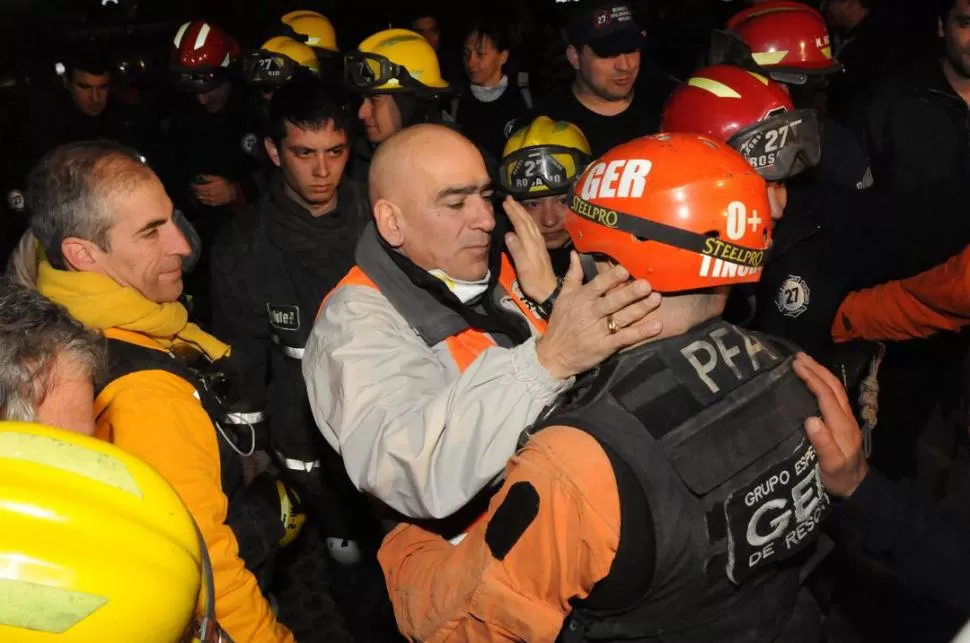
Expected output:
(431, 195)
(411, 151)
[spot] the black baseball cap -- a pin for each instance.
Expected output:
(607, 27)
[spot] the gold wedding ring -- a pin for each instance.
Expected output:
(611, 324)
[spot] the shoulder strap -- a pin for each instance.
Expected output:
(125, 358)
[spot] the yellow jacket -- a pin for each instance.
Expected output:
(158, 417)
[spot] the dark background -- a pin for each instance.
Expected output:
(36, 34)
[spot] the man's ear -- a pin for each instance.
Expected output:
(572, 55)
(390, 222)
(503, 58)
(81, 254)
(272, 151)
(939, 28)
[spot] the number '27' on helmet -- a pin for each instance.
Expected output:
(752, 114)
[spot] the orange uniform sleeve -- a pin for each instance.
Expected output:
(912, 308)
(155, 416)
(550, 534)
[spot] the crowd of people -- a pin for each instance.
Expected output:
(356, 343)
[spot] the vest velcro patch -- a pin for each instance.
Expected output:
(511, 519)
(776, 516)
(284, 317)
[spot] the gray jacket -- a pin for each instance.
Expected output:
(415, 429)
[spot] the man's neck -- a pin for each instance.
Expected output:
(596, 103)
(315, 209)
(958, 81)
(679, 314)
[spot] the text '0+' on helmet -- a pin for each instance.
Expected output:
(681, 210)
(277, 61)
(789, 41)
(752, 114)
(202, 56)
(311, 28)
(95, 545)
(394, 60)
(543, 158)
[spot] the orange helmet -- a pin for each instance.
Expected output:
(681, 210)
(752, 114)
(202, 56)
(788, 41)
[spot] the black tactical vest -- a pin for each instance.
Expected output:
(720, 497)
(125, 358)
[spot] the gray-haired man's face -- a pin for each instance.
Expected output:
(145, 246)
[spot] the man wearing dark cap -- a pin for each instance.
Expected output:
(613, 98)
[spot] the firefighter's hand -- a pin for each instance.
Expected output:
(591, 322)
(215, 191)
(286, 501)
(836, 435)
(533, 267)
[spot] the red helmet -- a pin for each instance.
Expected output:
(682, 210)
(202, 56)
(786, 40)
(752, 114)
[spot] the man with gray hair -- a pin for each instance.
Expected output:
(113, 255)
(48, 361)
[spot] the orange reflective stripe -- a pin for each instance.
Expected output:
(355, 277)
(508, 280)
(466, 346)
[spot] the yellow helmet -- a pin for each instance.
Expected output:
(95, 544)
(277, 60)
(395, 60)
(296, 51)
(542, 158)
(299, 13)
(315, 29)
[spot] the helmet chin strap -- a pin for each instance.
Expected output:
(589, 267)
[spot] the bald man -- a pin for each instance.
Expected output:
(429, 359)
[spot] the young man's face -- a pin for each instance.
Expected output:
(312, 161)
(89, 91)
(955, 31)
(215, 100)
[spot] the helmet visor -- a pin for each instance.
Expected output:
(201, 80)
(537, 171)
(781, 146)
(263, 68)
(727, 48)
(364, 71)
